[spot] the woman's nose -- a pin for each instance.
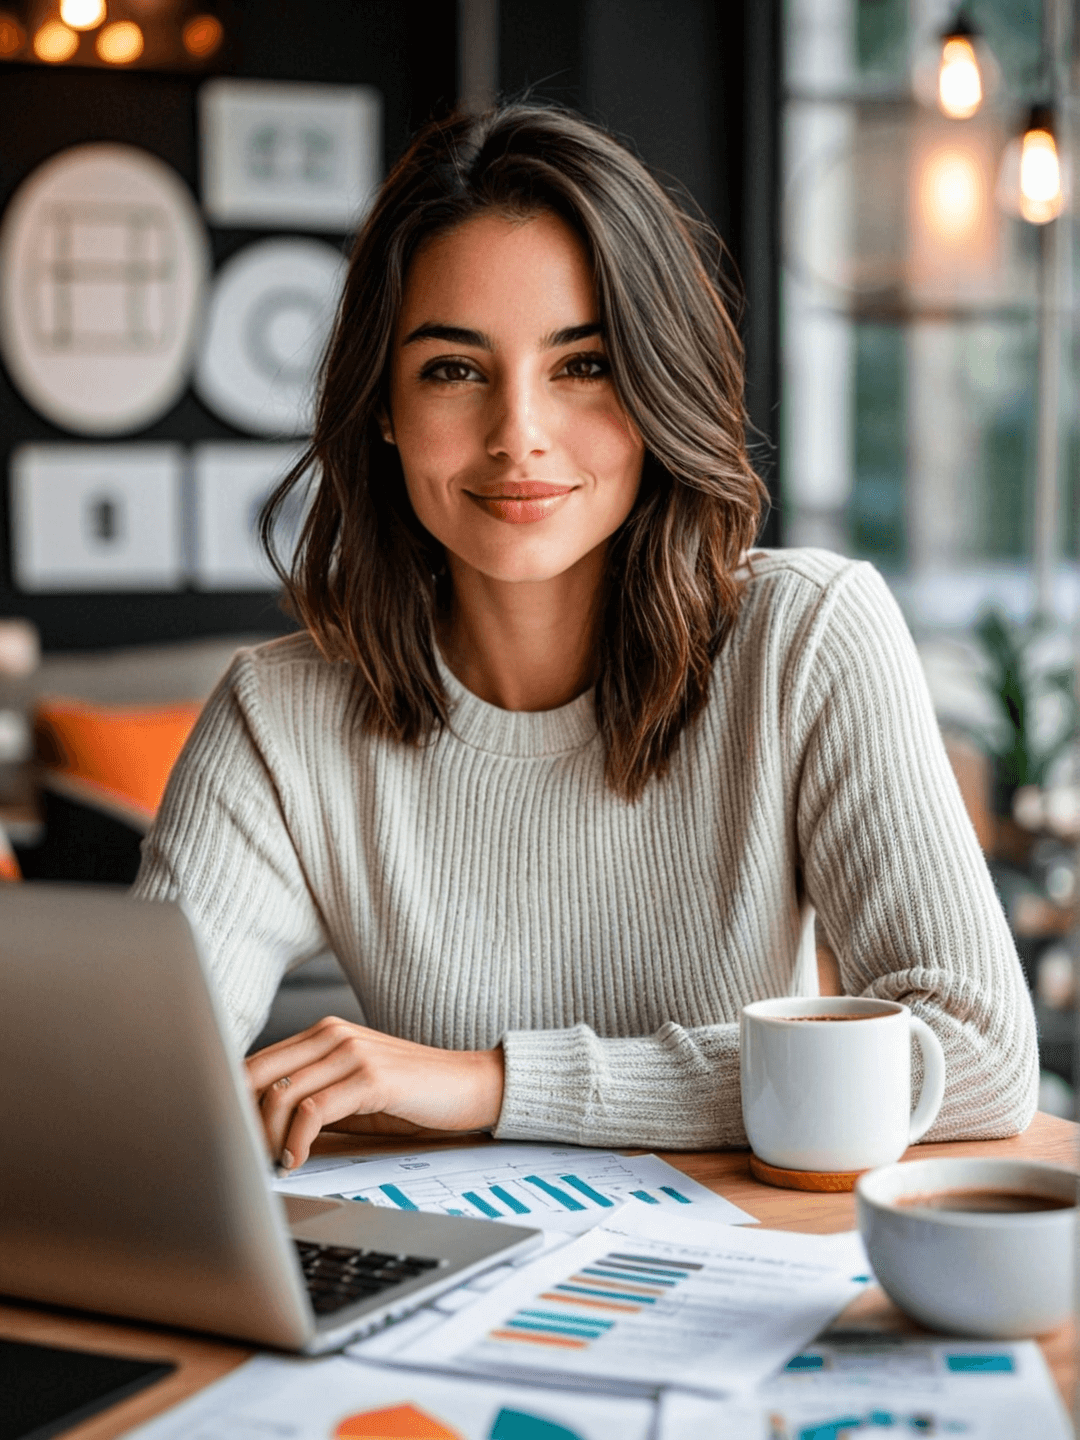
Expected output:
(519, 421)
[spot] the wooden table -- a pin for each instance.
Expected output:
(200, 1361)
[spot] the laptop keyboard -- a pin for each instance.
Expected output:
(337, 1276)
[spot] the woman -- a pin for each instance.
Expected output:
(554, 769)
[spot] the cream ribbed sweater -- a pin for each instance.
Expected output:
(488, 887)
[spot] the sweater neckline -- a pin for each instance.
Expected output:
(521, 733)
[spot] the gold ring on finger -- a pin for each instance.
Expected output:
(283, 1083)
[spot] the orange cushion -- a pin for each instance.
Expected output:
(124, 752)
(9, 866)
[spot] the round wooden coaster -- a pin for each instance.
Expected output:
(823, 1180)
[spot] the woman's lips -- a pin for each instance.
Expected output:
(522, 502)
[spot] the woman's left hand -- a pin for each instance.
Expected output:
(347, 1077)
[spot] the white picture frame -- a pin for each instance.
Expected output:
(271, 310)
(104, 260)
(97, 517)
(279, 155)
(231, 482)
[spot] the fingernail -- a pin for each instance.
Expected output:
(287, 1161)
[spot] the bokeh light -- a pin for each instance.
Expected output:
(960, 87)
(120, 43)
(54, 43)
(12, 35)
(953, 196)
(82, 14)
(1041, 196)
(202, 35)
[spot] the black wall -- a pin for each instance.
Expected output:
(692, 84)
(405, 48)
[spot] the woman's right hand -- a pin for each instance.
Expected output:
(347, 1077)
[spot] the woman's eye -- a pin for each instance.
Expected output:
(587, 367)
(452, 371)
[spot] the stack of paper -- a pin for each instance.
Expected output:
(644, 1316)
(841, 1389)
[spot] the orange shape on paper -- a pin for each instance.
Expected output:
(400, 1422)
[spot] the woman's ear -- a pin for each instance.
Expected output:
(385, 428)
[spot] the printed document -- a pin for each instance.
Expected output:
(271, 1398)
(643, 1302)
(856, 1382)
(547, 1187)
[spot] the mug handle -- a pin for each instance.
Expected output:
(933, 1085)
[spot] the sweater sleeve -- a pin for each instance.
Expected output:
(221, 844)
(890, 861)
(895, 871)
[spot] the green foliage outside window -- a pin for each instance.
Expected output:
(1016, 689)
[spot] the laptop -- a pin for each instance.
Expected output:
(134, 1178)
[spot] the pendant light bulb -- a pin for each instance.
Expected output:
(82, 14)
(960, 85)
(1042, 197)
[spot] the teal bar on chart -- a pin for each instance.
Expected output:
(1000, 1363)
(644, 1195)
(583, 1188)
(510, 1201)
(566, 1201)
(400, 1199)
(670, 1190)
(599, 1294)
(481, 1204)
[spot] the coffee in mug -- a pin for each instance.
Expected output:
(836, 1097)
(985, 1202)
(803, 1019)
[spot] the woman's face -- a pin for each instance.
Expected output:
(517, 454)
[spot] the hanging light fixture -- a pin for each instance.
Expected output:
(961, 88)
(82, 14)
(120, 43)
(954, 71)
(54, 43)
(1033, 183)
(202, 35)
(12, 35)
(1042, 193)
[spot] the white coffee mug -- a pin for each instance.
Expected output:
(835, 1095)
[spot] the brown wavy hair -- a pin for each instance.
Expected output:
(368, 581)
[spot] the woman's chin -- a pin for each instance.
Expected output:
(532, 564)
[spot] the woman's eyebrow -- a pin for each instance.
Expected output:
(571, 335)
(459, 335)
(452, 334)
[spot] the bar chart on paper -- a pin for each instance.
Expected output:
(272, 1398)
(549, 1188)
(645, 1300)
(875, 1383)
(573, 1313)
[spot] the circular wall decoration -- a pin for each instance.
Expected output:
(270, 315)
(103, 265)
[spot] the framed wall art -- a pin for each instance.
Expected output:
(289, 156)
(97, 517)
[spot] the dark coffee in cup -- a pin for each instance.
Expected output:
(984, 1202)
(802, 1019)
